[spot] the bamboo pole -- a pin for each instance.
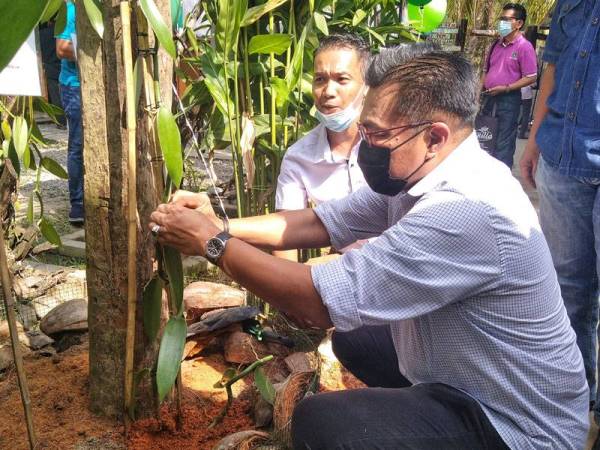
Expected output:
(9, 303)
(131, 207)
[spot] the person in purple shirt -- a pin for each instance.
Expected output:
(566, 133)
(511, 65)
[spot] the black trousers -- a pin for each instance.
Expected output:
(391, 413)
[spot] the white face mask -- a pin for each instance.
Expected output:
(341, 120)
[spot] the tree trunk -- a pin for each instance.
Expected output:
(106, 177)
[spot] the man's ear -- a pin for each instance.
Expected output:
(438, 135)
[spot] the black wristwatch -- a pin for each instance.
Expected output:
(215, 247)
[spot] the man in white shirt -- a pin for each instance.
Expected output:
(323, 166)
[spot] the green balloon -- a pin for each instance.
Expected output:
(418, 2)
(427, 18)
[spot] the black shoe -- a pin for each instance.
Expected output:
(76, 217)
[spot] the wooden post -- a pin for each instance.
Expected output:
(131, 209)
(461, 36)
(531, 34)
(7, 184)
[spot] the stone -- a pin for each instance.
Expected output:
(300, 362)
(242, 348)
(5, 331)
(27, 315)
(203, 296)
(36, 340)
(43, 305)
(69, 316)
(6, 355)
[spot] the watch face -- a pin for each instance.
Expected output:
(214, 247)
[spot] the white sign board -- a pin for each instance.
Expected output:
(22, 75)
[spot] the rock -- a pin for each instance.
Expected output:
(242, 348)
(6, 355)
(43, 305)
(300, 362)
(5, 332)
(36, 340)
(27, 315)
(69, 316)
(204, 296)
(242, 439)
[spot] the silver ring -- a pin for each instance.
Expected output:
(155, 230)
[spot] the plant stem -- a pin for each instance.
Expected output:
(273, 93)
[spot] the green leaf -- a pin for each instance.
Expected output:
(281, 90)
(93, 8)
(321, 23)
(54, 168)
(376, 35)
(138, 79)
(170, 355)
(53, 111)
(17, 21)
(61, 20)
(14, 158)
(20, 133)
(27, 158)
(30, 208)
(294, 70)
(170, 144)
(49, 231)
(269, 43)
(359, 16)
(51, 9)
(159, 26)
(228, 24)
(6, 131)
(256, 12)
(264, 386)
(214, 79)
(152, 306)
(174, 269)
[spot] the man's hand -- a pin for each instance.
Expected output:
(182, 228)
(199, 201)
(496, 90)
(529, 162)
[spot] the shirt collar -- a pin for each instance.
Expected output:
(323, 144)
(460, 157)
(514, 41)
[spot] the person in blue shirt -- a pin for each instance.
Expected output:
(71, 99)
(566, 133)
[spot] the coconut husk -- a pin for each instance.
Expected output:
(243, 440)
(291, 391)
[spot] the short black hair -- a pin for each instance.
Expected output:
(351, 41)
(429, 80)
(520, 11)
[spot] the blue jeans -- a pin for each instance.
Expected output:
(71, 100)
(507, 111)
(570, 219)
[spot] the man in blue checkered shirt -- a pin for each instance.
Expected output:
(452, 315)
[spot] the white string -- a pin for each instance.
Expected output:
(209, 172)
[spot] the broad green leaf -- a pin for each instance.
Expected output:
(61, 20)
(152, 307)
(5, 148)
(49, 231)
(27, 158)
(256, 12)
(17, 21)
(174, 269)
(170, 144)
(159, 26)
(170, 355)
(228, 24)
(376, 35)
(20, 133)
(138, 79)
(6, 131)
(281, 90)
(51, 110)
(269, 43)
(359, 16)
(54, 168)
(294, 70)
(214, 79)
(264, 386)
(14, 158)
(36, 134)
(93, 8)
(30, 208)
(321, 23)
(51, 9)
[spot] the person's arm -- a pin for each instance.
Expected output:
(64, 49)
(529, 160)
(286, 285)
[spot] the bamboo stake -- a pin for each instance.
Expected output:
(9, 304)
(131, 208)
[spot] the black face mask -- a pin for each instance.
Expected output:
(375, 165)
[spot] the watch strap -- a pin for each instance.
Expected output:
(223, 236)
